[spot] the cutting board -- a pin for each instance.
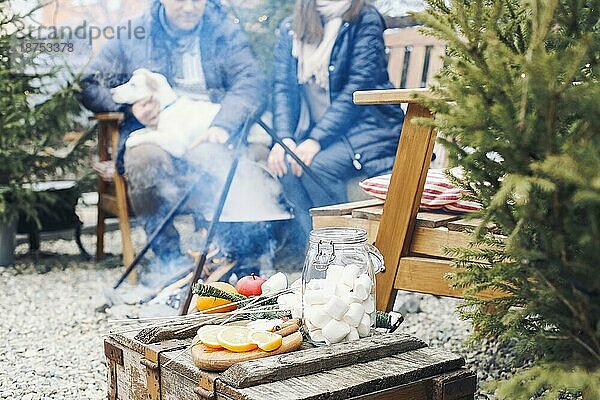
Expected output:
(209, 359)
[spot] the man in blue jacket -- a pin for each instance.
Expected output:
(203, 55)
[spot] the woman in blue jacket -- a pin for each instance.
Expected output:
(325, 52)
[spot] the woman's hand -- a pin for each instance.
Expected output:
(276, 159)
(147, 111)
(306, 151)
(216, 134)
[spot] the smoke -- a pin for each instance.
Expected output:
(254, 204)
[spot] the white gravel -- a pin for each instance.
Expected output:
(51, 345)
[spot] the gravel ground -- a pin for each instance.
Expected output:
(51, 345)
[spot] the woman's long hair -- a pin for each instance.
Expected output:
(308, 25)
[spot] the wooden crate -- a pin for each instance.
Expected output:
(426, 264)
(386, 366)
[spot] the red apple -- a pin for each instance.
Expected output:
(250, 285)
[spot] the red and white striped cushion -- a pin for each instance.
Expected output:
(439, 192)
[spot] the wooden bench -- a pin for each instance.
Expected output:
(412, 243)
(413, 58)
(423, 269)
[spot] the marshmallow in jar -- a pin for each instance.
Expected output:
(338, 285)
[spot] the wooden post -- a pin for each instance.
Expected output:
(402, 202)
(102, 186)
(122, 206)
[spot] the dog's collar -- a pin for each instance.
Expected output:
(170, 104)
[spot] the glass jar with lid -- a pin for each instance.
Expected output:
(338, 285)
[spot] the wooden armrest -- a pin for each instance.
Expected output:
(109, 116)
(390, 96)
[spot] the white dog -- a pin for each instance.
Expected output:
(182, 120)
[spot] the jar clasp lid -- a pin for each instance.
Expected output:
(323, 259)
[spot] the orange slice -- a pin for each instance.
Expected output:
(208, 336)
(267, 341)
(236, 338)
(209, 305)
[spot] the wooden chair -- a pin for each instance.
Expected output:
(112, 192)
(412, 243)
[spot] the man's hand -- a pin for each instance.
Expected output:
(147, 111)
(306, 151)
(214, 134)
(276, 159)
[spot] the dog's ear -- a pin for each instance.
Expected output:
(154, 81)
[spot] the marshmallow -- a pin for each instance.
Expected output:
(342, 290)
(316, 335)
(315, 284)
(362, 287)
(364, 327)
(335, 273)
(354, 314)
(350, 273)
(369, 305)
(274, 284)
(329, 287)
(335, 331)
(336, 307)
(350, 298)
(353, 335)
(317, 316)
(313, 297)
(296, 286)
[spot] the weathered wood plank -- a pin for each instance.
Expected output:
(457, 385)
(176, 386)
(434, 220)
(344, 209)
(403, 199)
(427, 275)
(432, 241)
(464, 225)
(359, 379)
(306, 362)
(452, 385)
(372, 213)
(390, 96)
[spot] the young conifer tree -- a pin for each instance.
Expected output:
(38, 107)
(524, 124)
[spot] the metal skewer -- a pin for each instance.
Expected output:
(185, 304)
(310, 173)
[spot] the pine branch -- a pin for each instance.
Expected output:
(211, 291)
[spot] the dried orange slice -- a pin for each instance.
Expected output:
(211, 305)
(208, 336)
(236, 338)
(267, 341)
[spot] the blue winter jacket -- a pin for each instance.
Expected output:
(358, 62)
(232, 74)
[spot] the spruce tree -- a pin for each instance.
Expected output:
(523, 122)
(38, 107)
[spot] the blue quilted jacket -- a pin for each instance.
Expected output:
(232, 74)
(358, 62)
